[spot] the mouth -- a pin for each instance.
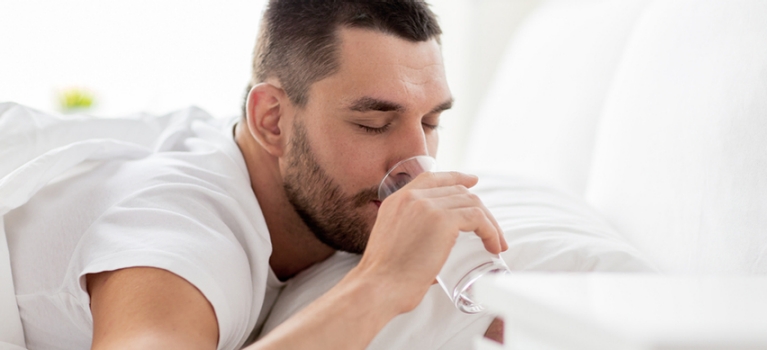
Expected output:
(377, 203)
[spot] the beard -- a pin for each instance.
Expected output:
(335, 218)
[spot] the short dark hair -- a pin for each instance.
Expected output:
(298, 39)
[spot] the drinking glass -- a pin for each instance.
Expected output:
(468, 261)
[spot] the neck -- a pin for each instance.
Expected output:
(294, 246)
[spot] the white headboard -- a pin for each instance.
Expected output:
(655, 111)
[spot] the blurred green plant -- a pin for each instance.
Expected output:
(75, 98)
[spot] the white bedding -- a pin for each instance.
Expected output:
(547, 230)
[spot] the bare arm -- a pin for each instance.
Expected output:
(347, 317)
(149, 308)
(495, 330)
(414, 232)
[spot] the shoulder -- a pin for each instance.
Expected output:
(188, 231)
(146, 307)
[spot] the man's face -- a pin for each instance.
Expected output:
(382, 106)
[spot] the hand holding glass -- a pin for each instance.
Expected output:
(468, 260)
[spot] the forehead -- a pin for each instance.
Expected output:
(384, 66)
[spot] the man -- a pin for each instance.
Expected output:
(180, 248)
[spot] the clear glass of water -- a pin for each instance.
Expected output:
(468, 260)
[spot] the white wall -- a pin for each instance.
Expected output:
(139, 55)
(158, 56)
(475, 35)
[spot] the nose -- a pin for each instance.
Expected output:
(409, 142)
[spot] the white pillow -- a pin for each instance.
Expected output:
(681, 157)
(547, 230)
(541, 112)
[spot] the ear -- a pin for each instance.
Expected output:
(265, 108)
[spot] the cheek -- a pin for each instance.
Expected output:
(432, 143)
(351, 159)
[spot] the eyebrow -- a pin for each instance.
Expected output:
(442, 106)
(367, 104)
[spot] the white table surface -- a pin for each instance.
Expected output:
(629, 311)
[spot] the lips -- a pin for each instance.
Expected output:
(377, 203)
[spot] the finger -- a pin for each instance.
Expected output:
(458, 196)
(458, 201)
(501, 238)
(504, 244)
(442, 179)
(473, 219)
(445, 191)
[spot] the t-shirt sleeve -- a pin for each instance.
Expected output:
(180, 228)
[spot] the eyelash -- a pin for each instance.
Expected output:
(430, 127)
(383, 129)
(380, 130)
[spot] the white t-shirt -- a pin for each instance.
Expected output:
(186, 206)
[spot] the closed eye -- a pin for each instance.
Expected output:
(381, 130)
(430, 126)
(373, 130)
